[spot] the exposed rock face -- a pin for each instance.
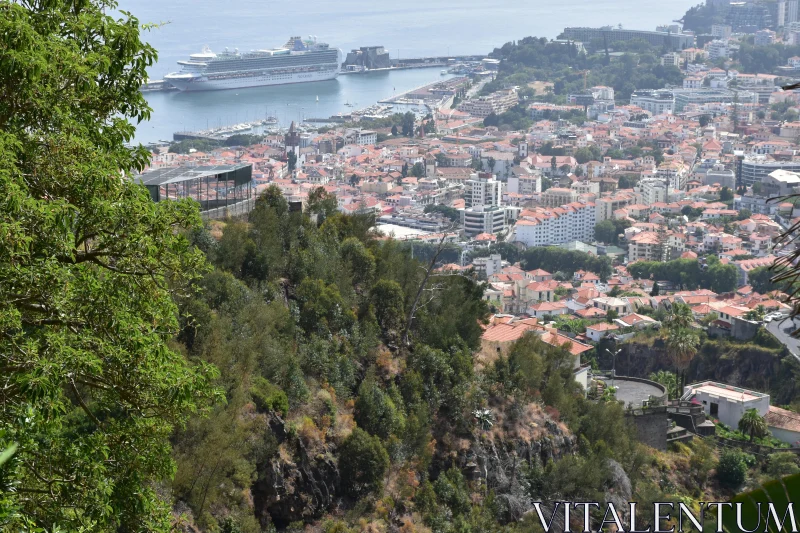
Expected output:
(619, 492)
(749, 366)
(498, 456)
(294, 486)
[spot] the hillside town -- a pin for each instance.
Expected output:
(696, 178)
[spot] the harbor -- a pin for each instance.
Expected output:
(196, 113)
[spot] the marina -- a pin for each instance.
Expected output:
(183, 112)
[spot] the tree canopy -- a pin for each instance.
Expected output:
(90, 267)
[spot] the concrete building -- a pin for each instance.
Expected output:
(646, 246)
(687, 97)
(483, 189)
(490, 219)
(656, 102)
(672, 59)
(725, 178)
(607, 205)
(764, 38)
(596, 332)
(721, 31)
(556, 196)
(674, 173)
(558, 225)
(610, 35)
(780, 183)
(497, 102)
(367, 57)
(754, 169)
(653, 190)
(717, 50)
(524, 183)
(361, 137)
(725, 402)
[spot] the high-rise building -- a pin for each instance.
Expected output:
(483, 189)
(791, 12)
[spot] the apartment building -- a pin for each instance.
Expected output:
(645, 246)
(497, 102)
(606, 205)
(754, 169)
(656, 102)
(558, 225)
(556, 196)
(653, 190)
(674, 173)
(485, 219)
(483, 189)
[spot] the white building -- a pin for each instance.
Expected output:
(653, 190)
(721, 31)
(764, 38)
(485, 219)
(674, 173)
(717, 50)
(483, 189)
(656, 102)
(727, 403)
(361, 137)
(558, 225)
(497, 102)
(595, 332)
(672, 59)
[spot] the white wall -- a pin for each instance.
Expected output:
(731, 411)
(784, 435)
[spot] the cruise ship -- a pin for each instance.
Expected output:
(298, 61)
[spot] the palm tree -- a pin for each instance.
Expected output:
(753, 424)
(669, 380)
(680, 317)
(681, 349)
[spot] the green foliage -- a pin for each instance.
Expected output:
(553, 259)
(363, 461)
(732, 468)
(760, 279)
(90, 266)
(446, 211)
(375, 411)
(321, 203)
(451, 490)
(207, 145)
(753, 424)
(516, 118)
(669, 380)
(687, 274)
(322, 308)
(778, 491)
(535, 58)
(702, 460)
(609, 231)
(268, 397)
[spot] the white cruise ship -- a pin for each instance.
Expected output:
(298, 61)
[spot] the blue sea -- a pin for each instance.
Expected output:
(412, 28)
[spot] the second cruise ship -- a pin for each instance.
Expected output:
(298, 61)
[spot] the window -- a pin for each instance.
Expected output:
(714, 409)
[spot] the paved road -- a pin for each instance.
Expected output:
(782, 329)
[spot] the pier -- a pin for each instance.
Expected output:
(431, 94)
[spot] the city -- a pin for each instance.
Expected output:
(563, 271)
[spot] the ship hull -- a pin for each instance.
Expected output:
(260, 80)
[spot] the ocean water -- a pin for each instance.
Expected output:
(413, 28)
